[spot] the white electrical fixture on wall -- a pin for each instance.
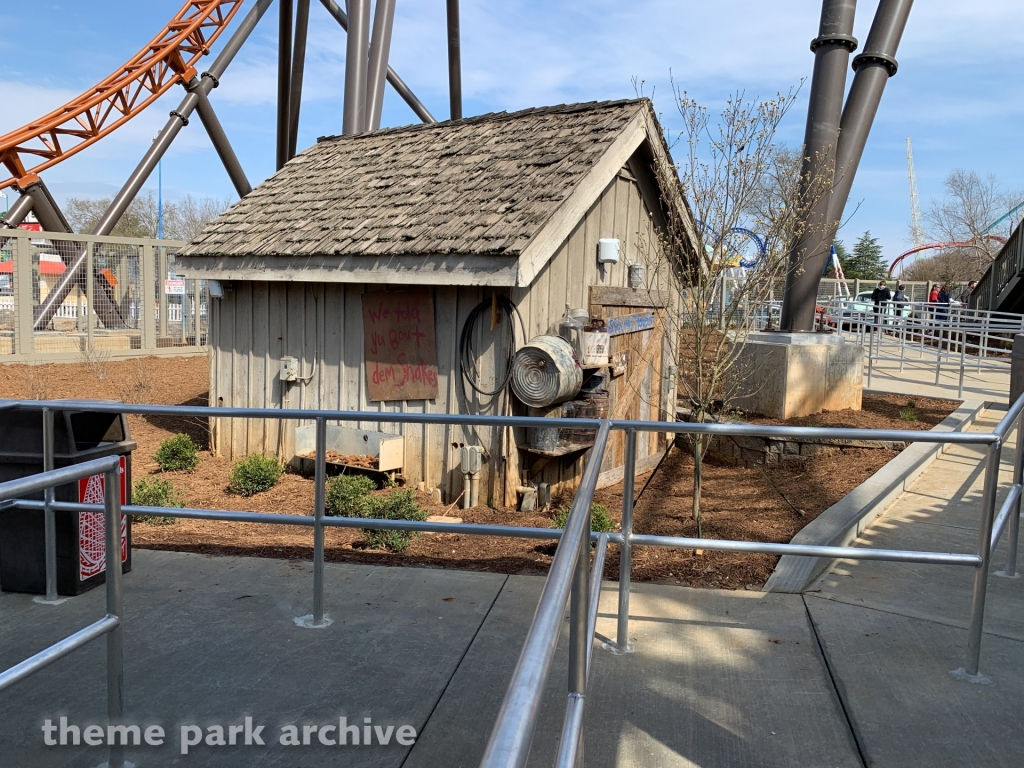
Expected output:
(608, 250)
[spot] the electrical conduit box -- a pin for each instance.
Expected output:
(289, 369)
(608, 250)
(471, 459)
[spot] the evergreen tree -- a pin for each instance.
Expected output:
(866, 262)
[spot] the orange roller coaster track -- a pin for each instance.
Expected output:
(167, 60)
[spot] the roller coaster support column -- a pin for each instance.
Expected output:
(874, 67)
(454, 60)
(284, 81)
(380, 49)
(17, 212)
(179, 118)
(356, 51)
(397, 83)
(219, 138)
(298, 69)
(48, 307)
(832, 50)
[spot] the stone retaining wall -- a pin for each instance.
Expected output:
(757, 451)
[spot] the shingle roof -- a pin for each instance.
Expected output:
(482, 185)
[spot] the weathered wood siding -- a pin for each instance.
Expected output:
(257, 323)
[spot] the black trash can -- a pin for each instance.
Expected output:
(78, 436)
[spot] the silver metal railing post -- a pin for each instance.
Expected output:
(988, 510)
(963, 354)
(115, 608)
(320, 476)
(871, 356)
(626, 549)
(1013, 531)
(49, 518)
(579, 643)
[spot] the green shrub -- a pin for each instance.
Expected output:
(178, 453)
(348, 495)
(254, 474)
(397, 505)
(600, 520)
(155, 492)
(908, 414)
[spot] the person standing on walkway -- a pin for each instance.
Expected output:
(881, 297)
(899, 299)
(965, 294)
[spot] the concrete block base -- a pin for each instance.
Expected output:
(782, 375)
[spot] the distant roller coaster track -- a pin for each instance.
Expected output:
(898, 261)
(169, 59)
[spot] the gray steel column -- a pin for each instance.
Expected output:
(454, 60)
(397, 83)
(219, 138)
(128, 192)
(873, 69)
(298, 70)
(284, 80)
(807, 257)
(17, 212)
(354, 118)
(380, 49)
(178, 119)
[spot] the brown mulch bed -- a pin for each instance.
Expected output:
(738, 503)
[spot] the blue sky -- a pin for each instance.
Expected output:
(959, 91)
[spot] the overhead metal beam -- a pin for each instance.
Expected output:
(128, 192)
(380, 49)
(298, 69)
(397, 83)
(873, 69)
(832, 48)
(284, 80)
(454, 60)
(356, 51)
(220, 140)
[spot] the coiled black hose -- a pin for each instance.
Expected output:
(468, 355)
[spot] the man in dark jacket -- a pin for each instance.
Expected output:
(881, 296)
(899, 299)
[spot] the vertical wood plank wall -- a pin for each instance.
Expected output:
(257, 323)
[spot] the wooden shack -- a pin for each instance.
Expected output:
(433, 220)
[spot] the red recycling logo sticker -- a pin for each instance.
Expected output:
(92, 526)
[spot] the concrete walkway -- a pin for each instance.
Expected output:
(717, 678)
(892, 633)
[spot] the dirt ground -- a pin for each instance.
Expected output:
(767, 504)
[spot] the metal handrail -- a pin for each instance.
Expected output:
(111, 624)
(571, 571)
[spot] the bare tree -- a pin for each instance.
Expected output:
(952, 266)
(183, 218)
(970, 204)
(734, 176)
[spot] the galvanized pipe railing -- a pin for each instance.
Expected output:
(509, 744)
(109, 625)
(512, 738)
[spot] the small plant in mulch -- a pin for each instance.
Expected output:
(348, 495)
(396, 505)
(908, 413)
(177, 454)
(156, 492)
(600, 520)
(254, 474)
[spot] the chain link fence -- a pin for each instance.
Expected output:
(65, 297)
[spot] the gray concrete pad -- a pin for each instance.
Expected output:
(717, 679)
(905, 706)
(211, 640)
